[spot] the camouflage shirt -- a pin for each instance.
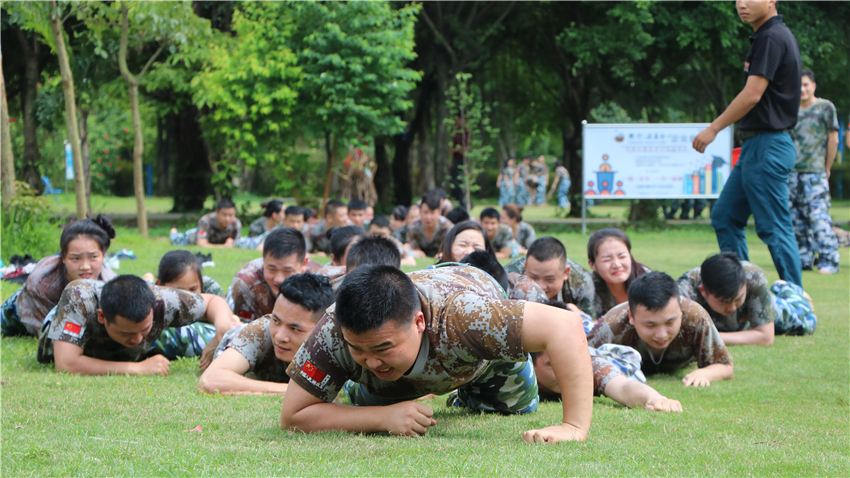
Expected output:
(757, 310)
(561, 172)
(813, 125)
(254, 342)
(258, 227)
(524, 170)
(468, 324)
(208, 229)
(521, 287)
(578, 289)
(419, 240)
(76, 321)
(698, 339)
(525, 235)
(210, 286)
(252, 296)
(504, 236)
(335, 273)
(43, 288)
(401, 233)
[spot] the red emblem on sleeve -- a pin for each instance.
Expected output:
(311, 371)
(245, 315)
(73, 329)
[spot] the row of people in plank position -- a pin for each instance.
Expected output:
(386, 338)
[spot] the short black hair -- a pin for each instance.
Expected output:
(547, 248)
(723, 275)
(341, 237)
(332, 206)
(370, 296)
(400, 213)
(439, 192)
(380, 221)
(810, 74)
(652, 290)
(457, 215)
(490, 213)
(283, 242)
(357, 205)
(487, 262)
(295, 211)
(432, 201)
(175, 263)
(224, 203)
(311, 291)
(373, 250)
(128, 296)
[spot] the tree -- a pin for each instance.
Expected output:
(6, 159)
(31, 49)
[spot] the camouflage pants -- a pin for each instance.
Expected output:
(564, 193)
(507, 192)
(540, 196)
(10, 321)
(504, 387)
(809, 203)
(522, 197)
(188, 238)
(251, 242)
(188, 341)
(794, 314)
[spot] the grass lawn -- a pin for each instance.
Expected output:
(785, 412)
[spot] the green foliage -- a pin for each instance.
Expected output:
(28, 227)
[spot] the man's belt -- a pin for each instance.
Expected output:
(751, 133)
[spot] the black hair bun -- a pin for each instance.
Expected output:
(105, 223)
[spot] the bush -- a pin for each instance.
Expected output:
(28, 227)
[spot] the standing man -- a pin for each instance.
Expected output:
(767, 108)
(816, 139)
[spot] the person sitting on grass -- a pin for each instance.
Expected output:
(342, 238)
(517, 286)
(216, 229)
(82, 248)
(500, 235)
(272, 217)
(293, 217)
(561, 278)
(284, 254)
(521, 232)
(457, 215)
(357, 212)
(100, 329)
(669, 331)
(398, 224)
(743, 307)
(252, 358)
(609, 253)
(425, 235)
(380, 227)
(336, 215)
(380, 251)
(399, 337)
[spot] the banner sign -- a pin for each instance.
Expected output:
(653, 161)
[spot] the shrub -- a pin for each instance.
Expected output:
(28, 227)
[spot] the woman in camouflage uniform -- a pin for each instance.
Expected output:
(505, 183)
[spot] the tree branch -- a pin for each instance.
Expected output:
(439, 36)
(150, 61)
(496, 24)
(83, 7)
(22, 38)
(122, 49)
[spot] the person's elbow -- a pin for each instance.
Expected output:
(208, 384)
(290, 422)
(767, 339)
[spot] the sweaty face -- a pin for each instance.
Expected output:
(613, 261)
(491, 225)
(225, 216)
(187, 281)
(379, 231)
(390, 351)
(357, 216)
(725, 307)
(545, 375)
(752, 11)
(549, 275)
(84, 259)
(126, 332)
(295, 221)
(807, 89)
(429, 216)
(467, 242)
(660, 327)
(275, 271)
(289, 327)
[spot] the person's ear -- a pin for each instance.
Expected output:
(419, 322)
(592, 266)
(631, 317)
(702, 291)
(333, 259)
(100, 317)
(304, 263)
(566, 273)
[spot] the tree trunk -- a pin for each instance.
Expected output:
(7, 162)
(138, 173)
(84, 148)
(70, 111)
(401, 169)
(441, 141)
(427, 175)
(383, 175)
(32, 155)
(163, 146)
(330, 150)
(191, 164)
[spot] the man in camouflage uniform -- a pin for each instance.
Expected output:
(562, 279)
(425, 235)
(100, 328)
(816, 140)
(252, 358)
(669, 332)
(500, 235)
(336, 215)
(399, 338)
(216, 229)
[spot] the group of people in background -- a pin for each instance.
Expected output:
(525, 183)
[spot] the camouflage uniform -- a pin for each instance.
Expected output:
(401, 233)
(578, 289)
(525, 235)
(504, 236)
(808, 187)
(563, 187)
(522, 197)
(208, 229)
(335, 273)
(23, 313)
(254, 342)
(698, 339)
(319, 238)
(176, 341)
(249, 296)
(542, 173)
(74, 321)
(419, 240)
(467, 319)
(794, 314)
(258, 227)
(507, 191)
(521, 287)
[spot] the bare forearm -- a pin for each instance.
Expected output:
(718, 371)
(747, 337)
(504, 253)
(83, 365)
(740, 106)
(831, 149)
(227, 382)
(330, 416)
(218, 313)
(630, 393)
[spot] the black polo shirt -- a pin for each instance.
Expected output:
(774, 54)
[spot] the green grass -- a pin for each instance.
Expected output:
(785, 412)
(127, 205)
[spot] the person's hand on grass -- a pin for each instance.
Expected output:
(408, 419)
(554, 434)
(663, 404)
(208, 354)
(696, 379)
(228, 242)
(156, 365)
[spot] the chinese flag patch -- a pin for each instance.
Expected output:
(245, 315)
(73, 329)
(312, 372)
